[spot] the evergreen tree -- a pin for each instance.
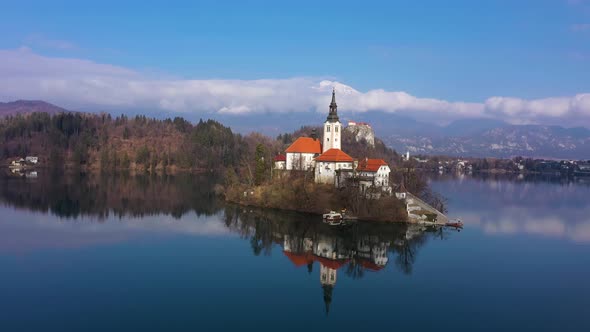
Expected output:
(125, 162)
(142, 155)
(260, 172)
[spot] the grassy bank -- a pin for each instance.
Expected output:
(298, 192)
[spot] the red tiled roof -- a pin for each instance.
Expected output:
(298, 259)
(305, 145)
(306, 258)
(333, 264)
(370, 265)
(281, 157)
(334, 155)
(370, 165)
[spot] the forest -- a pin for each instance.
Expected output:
(101, 143)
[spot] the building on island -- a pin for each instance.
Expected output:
(331, 164)
(401, 191)
(373, 173)
(280, 161)
(332, 127)
(301, 154)
(328, 162)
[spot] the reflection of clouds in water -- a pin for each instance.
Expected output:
(505, 222)
(23, 231)
(552, 209)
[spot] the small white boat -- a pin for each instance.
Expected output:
(332, 217)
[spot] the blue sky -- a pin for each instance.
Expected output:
(456, 50)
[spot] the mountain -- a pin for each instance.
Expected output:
(28, 106)
(469, 139)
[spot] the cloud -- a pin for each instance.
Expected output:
(27, 231)
(85, 85)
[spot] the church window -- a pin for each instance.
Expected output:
(336, 128)
(328, 128)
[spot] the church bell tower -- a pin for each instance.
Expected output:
(332, 127)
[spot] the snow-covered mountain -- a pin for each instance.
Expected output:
(502, 141)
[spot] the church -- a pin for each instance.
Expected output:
(327, 161)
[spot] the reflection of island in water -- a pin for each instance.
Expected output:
(354, 251)
(305, 240)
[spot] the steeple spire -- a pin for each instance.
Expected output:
(327, 297)
(333, 115)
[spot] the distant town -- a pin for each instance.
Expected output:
(444, 164)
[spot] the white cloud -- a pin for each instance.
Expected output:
(82, 84)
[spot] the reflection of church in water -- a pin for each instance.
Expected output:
(333, 254)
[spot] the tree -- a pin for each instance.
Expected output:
(260, 172)
(104, 159)
(142, 156)
(125, 162)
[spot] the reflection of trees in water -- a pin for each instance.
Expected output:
(265, 228)
(355, 270)
(75, 195)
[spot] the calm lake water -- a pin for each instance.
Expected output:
(120, 253)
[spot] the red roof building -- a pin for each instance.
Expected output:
(280, 157)
(334, 155)
(306, 258)
(370, 165)
(333, 264)
(305, 145)
(299, 259)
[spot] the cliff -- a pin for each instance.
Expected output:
(362, 132)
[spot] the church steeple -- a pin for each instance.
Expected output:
(333, 115)
(327, 297)
(332, 127)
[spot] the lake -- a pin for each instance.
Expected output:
(151, 253)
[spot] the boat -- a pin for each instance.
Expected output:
(457, 223)
(333, 218)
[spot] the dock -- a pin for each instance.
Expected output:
(422, 212)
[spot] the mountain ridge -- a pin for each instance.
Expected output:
(28, 106)
(461, 138)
